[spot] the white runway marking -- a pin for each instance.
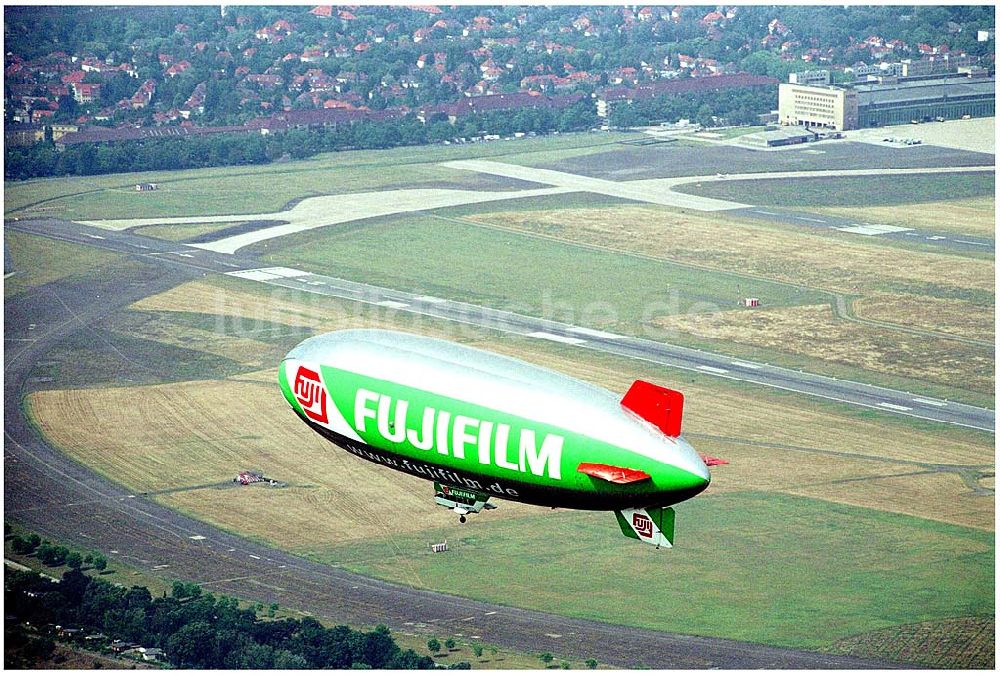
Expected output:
(429, 299)
(873, 229)
(595, 333)
(929, 402)
(254, 556)
(744, 365)
(811, 220)
(712, 369)
(395, 305)
(894, 407)
(558, 339)
(93, 236)
(196, 537)
(965, 241)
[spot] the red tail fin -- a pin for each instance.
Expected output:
(656, 404)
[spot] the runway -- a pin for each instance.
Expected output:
(60, 499)
(852, 393)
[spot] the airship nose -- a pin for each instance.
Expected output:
(698, 476)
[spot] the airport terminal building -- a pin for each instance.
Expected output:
(874, 105)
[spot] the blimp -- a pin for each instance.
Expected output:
(480, 425)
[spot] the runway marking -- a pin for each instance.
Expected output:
(712, 369)
(744, 365)
(429, 299)
(557, 339)
(894, 407)
(554, 635)
(965, 241)
(161, 566)
(928, 401)
(594, 332)
(254, 556)
(395, 305)
(196, 537)
(935, 238)
(767, 213)
(227, 264)
(93, 236)
(492, 612)
(182, 255)
(811, 220)
(873, 229)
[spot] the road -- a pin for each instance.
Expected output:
(706, 363)
(50, 494)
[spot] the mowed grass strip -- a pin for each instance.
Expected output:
(848, 191)
(507, 270)
(756, 567)
(974, 216)
(39, 260)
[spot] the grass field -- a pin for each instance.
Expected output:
(39, 260)
(512, 271)
(864, 191)
(975, 216)
(806, 572)
(268, 188)
(748, 537)
(813, 331)
(937, 292)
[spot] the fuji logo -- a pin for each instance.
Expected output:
(310, 394)
(643, 525)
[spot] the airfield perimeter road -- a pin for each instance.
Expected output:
(706, 363)
(50, 494)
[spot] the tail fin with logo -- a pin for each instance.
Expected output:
(652, 525)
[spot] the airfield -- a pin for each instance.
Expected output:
(855, 407)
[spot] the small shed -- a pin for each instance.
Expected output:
(751, 302)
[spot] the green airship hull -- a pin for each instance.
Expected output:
(468, 445)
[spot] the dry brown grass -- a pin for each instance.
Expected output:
(974, 216)
(839, 264)
(814, 331)
(957, 317)
(941, 496)
(180, 435)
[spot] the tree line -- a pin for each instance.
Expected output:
(732, 106)
(194, 152)
(195, 629)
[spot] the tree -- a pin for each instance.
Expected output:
(546, 658)
(74, 560)
(477, 650)
(564, 665)
(99, 562)
(494, 651)
(285, 659)
(434, 646)
(187, 646)
(591, 663)
(449, 643)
